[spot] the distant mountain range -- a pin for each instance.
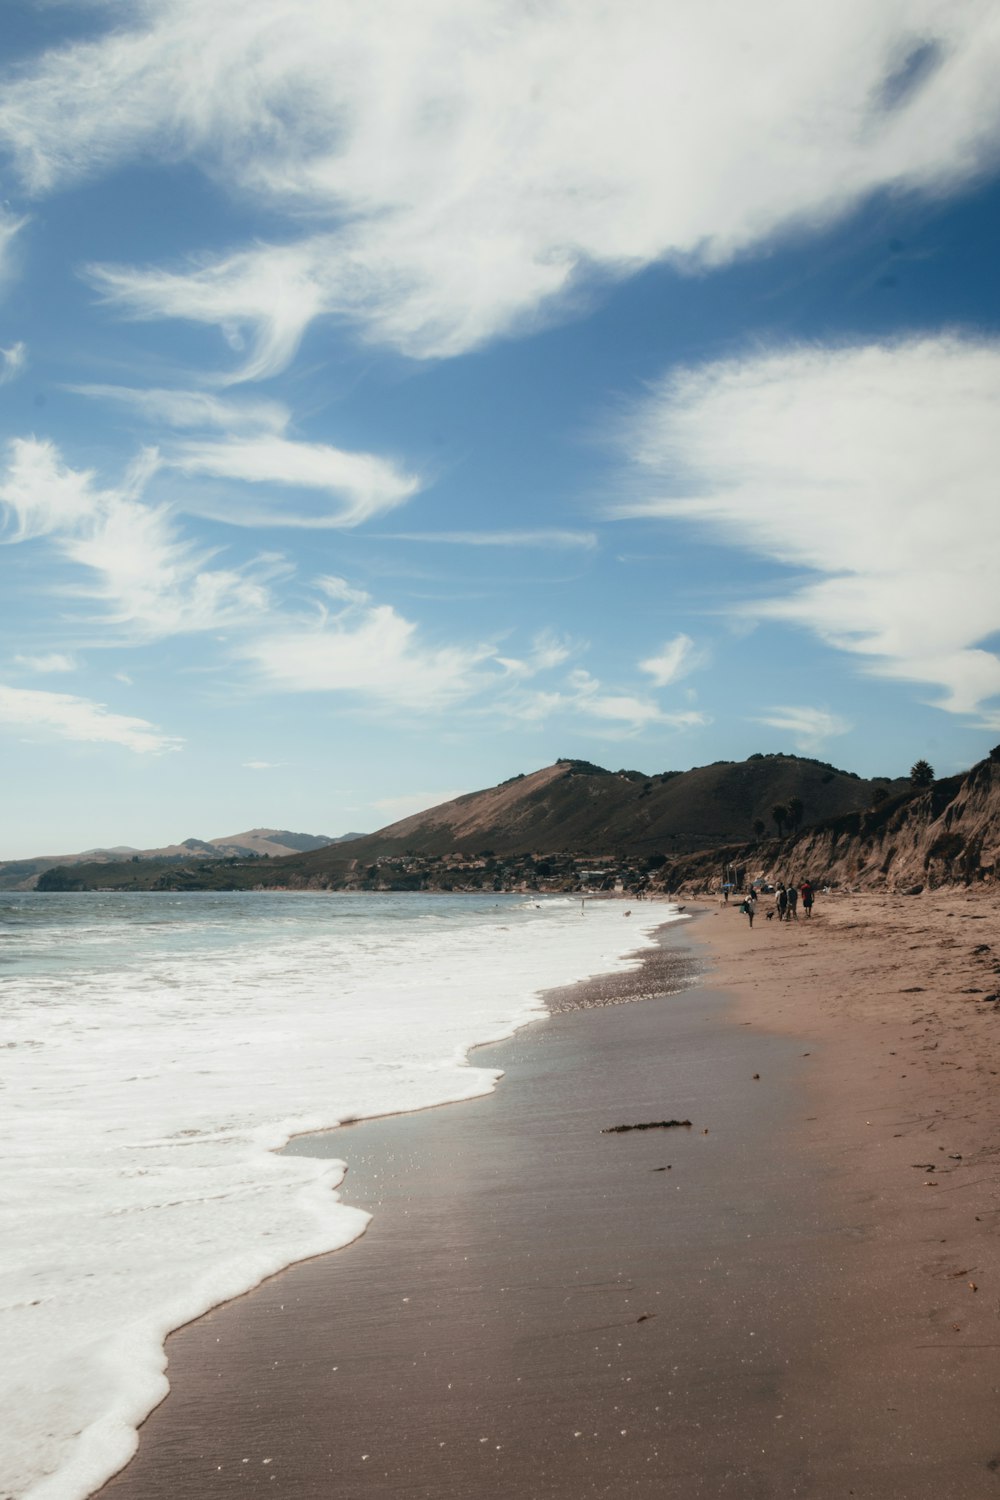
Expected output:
(575, 825)
(572, 806)
(276, 843)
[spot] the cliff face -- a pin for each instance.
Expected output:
(947, 835)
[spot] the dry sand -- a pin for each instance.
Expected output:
(799, 1295)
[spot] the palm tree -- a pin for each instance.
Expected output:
(779, 812)
(759, 828)
(921, 774)
(795, 811)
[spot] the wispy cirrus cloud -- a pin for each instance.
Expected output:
(146, 577)
(146, 580)
(547, 652)
(71, 718)
(614, 715)
(809, 727)
(371, 652)
(376, 656)
(675, 660)
(449, 202)
(561, 540)
(49, 661)
(357, 486)
(10, 227)
(193, 408)
(12, 362)
(873, 469)
(255, 450)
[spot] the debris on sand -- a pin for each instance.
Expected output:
(646, 1125)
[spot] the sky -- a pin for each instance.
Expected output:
(399, 395)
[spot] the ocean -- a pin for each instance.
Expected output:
(158, 1050)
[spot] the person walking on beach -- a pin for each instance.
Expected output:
(793, 901)
(781, 901)
(807, 898)
(747, 908)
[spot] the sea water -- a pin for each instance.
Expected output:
(155, 1052)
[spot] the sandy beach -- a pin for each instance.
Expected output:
(796, 1294)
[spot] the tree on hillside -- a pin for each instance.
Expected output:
(879, 795)
(759, 828)
(921, 774)
(779, 812)
(795, 811)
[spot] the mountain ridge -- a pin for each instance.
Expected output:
(576, 805)
(575, 825)
(21, 874)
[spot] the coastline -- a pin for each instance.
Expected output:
(544, 1309)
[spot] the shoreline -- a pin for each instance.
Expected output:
(797, 1280)
(180, 1220)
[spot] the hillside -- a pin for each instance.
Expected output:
(675, 831)
(572, 806)
(946, 835)
(576, 806)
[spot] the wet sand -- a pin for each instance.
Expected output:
(773, 1302)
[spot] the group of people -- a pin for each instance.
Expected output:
(786, 902)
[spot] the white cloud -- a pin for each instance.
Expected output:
(256, 451)
(12, 362)
(151, 582)
(547, 652)
(39, 495)
(339, 588)
(52, 661)
(560, 540)
(874, 468)
(461, 162)
(200, 409)
(678, 657)
(359, 485)
(150, 579)
(263, 765)
(71, 718)
(370, 651)
(10, 227)
(623, 714)
(274, 291)
(810, 727)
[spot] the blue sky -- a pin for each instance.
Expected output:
(395, 397)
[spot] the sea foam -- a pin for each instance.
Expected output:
(157, 1051)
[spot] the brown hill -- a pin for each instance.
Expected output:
(578, 807)
(946, 835)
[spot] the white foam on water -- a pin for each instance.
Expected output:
(155, 1053)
